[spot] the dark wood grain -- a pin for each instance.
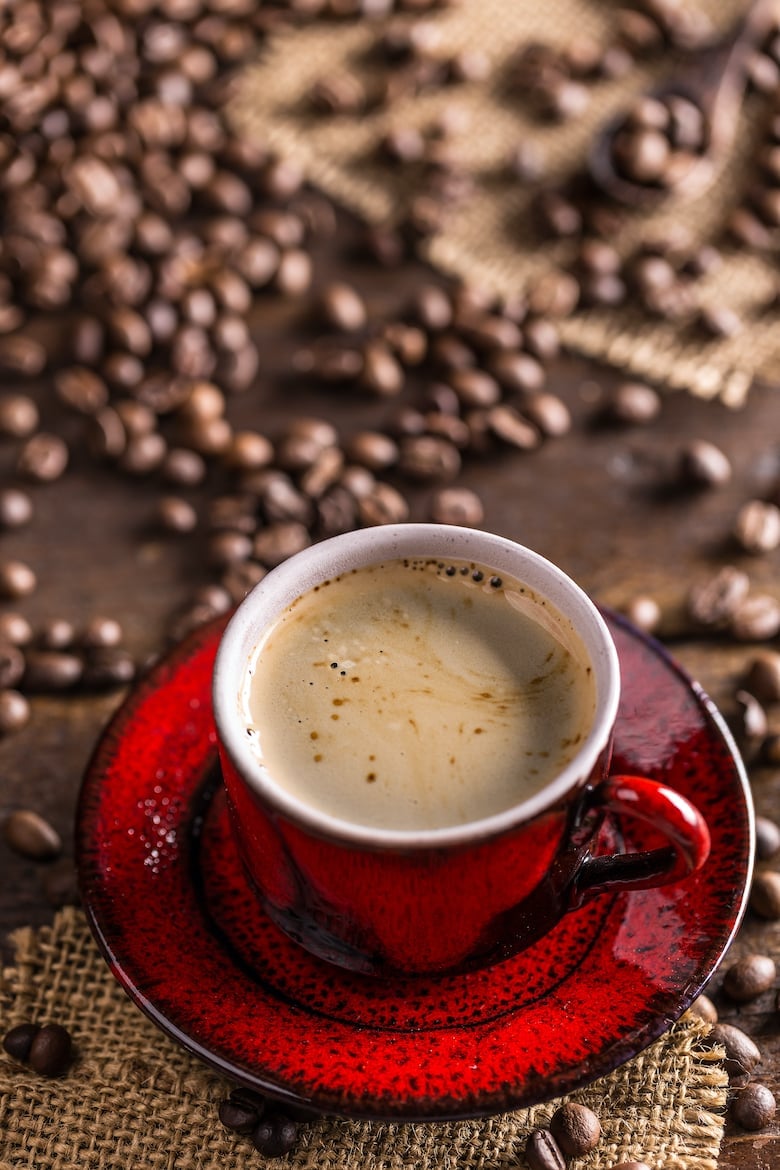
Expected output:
(596, 501)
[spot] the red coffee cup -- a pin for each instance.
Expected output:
(408, 900)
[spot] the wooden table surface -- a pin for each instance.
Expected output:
(596, 501)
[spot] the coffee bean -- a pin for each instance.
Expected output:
(29, 835)
(542, 1152)
(51, 670)
(14, 712)
(767, 837)
(384, 504)
(754, 1107)
(56, 633)
(703, 464)
(11, 665)
(176, 515)
(241, 1112)
(279, 541)
(107, 666)
(549, 414)
(575, 1128)
(18, 416)
(756, 619)
(645, 613)
(343, 308)
(372, 449)
(21, 355)
(15, 628)
(749, 977)
(16, 508)
(757, 527)
(762, 677)
(742, 1054)
(18, 1041)
(752, 720)
(16, 580)
(765, 893)
(511, 428)
(183, 467)
(51, 1051)
(705, 1009)
(715, 602)
(457, 505)
(427, 457)
(275, 1136)
(43, 458)
(634, 404)
(382, 374)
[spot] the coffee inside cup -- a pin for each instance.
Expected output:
(417, 694)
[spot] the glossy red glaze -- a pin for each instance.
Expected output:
(170, 906)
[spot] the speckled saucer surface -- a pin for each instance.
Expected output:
(181, 931)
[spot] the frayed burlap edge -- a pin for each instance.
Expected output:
(134, 1100)
(490, 238)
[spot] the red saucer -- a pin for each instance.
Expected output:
(172, 912)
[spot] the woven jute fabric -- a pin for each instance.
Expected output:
(134, 1100)
(491, 237)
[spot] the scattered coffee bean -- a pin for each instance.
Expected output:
(756, 619)
(752, 721)
(645, 613)
(43, 458)
(749, 977)
(765, 894)
(715, 602)
(16, 508)
(634, 403)
(542, 1152)
(457, 506)
(742, 1053)
(576, 1129)
(51, 670)
(754, 1107)
(176, 515)
(29, 835)
(343, 308)
(18, 1041)
(18, 416)
(51, 1051)
(757, 527)
(11, 665)
(14, 712)
(762, 677)
(16, 580)
(705, 1009)
(767, 838)
(15, 628)
(703, 464)
(275, 1136)
(242, 1111)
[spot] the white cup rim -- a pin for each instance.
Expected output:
(368, 546)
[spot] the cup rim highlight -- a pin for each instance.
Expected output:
(368, 546)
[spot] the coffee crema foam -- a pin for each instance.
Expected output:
(418, 694)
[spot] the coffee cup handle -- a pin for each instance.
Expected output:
(666, 810)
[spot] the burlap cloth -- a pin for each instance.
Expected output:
(491, 238)
(134, 1100)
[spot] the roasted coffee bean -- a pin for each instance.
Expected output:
(242, 1111)
(275, 1136)
(105, 435)
(107, 666)
(767, 837)
(542, 1152)
(11, 665)
(457, 505)
(277, 542)
(575, 1128)
(511, 428)
(343, 307)
(765, 892)
(756, 619)
(43, 458)
(51, 670)
(22, 355)
(29, 835)
(143, 454)
(705, 1009)
(18, 416)
(754, 1107)
(475, 387)
(703, 464)
(14, 712)
(714, 602)
(293, 273)
(16, 508)
(51, 1051)
(515, 371)
(762, 677)
(248, 451)
(382, 374)
(757, 527)
(432, 308)
(749, 977)
(384, 504)
(56, 633)
(742, 1054)
(183, 467)
(16, 580)
(100, 632)
(15, 628)
(176, 515)
(18, 1041)
(372, 449)
(228, 548)
(549, 414)
(720, 321)
(427, 457)
(752, 721)
(634, 404)
(645, 613)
